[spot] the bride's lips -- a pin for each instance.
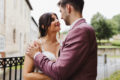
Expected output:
(57, 24)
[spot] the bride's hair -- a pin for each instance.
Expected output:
(44, 22)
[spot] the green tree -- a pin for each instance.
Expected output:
(103, 27)
(113, 25)
(111, 28)
(116, 18)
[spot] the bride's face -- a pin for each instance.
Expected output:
(55, 24)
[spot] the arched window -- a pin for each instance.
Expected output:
(14, 36)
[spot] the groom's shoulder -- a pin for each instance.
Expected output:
(84, 26)
(81, 28)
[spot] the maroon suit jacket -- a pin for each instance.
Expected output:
(78, 56)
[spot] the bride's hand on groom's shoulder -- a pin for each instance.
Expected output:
(33, 48)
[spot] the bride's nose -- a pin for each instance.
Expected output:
(56, 20)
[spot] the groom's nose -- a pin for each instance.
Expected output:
(61, 17)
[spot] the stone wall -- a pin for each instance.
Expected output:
(109, 51)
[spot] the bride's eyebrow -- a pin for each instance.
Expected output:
(54, 18)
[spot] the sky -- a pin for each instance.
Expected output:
(107, 8)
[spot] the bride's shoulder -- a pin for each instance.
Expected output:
(40, 40)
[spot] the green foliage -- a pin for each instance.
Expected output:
(104, 28)
(114, 26)
(114, 76)
(116, 18)
(115, 43)
(95, 22)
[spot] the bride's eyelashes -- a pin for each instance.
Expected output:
(52, 19)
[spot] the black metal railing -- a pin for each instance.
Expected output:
(13, 65)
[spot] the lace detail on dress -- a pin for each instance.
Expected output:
(48, 54)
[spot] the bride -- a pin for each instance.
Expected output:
(49, 26)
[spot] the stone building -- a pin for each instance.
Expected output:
(15, 26)
(34, 32)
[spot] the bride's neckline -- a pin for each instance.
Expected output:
(42, 41)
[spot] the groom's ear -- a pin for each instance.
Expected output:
(69, 8)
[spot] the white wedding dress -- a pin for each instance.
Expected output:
(49, 55)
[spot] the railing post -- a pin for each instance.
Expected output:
(16, 68)
(10, 69)
(21, 63)
(4, 67)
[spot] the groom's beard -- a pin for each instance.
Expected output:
(67, 20)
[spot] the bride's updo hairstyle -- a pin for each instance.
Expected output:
(45, 22)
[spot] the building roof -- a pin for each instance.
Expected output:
(28, 2)
(34, 21)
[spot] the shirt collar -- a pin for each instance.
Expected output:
(75, 22)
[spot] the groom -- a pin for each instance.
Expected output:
(78, 54)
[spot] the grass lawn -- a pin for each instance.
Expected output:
(114, 76)
(114, 44)
(108, 46)
(113, 56)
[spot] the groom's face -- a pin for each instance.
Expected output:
(64, 15)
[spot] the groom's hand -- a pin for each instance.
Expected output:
(33, 49)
